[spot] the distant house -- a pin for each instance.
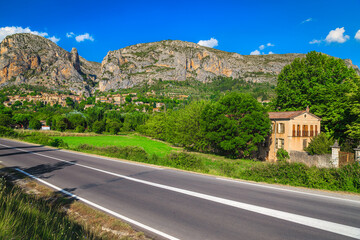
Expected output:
(45, 128)
(291, 131)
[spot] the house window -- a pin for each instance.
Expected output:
(311, 130)
(294, 131)
(279, 143)
(281, 128)
(305, 131)
(298, 131)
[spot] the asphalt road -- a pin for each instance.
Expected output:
(174, 204)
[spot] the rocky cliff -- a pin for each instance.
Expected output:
(178, 60)
(34, 60)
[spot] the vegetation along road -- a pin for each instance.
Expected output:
(174, 204)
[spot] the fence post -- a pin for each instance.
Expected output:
(357, 154)
(335, 149)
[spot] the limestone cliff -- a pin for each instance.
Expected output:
(178, 60)
(34, 60)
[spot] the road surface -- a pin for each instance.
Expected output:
(171, 204)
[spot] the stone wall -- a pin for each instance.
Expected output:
(312, 160)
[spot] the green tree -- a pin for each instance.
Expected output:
(98, 126)
(70, 102)
(35, 124)
(128, 99)
(321, 82)
(22, 118)
(236, 125)
(5, 120)
(320, 144)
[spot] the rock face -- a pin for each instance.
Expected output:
(178, 60)
(34, 60)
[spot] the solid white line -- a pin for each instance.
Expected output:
(101, 207)
(303, 220)
(288, 190)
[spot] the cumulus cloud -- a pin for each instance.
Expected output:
(357, 35)
(270, 45)
(256, 52)
(261, 47)
(83, 37)
(337, 35)
(315, 41)
(212, 42)
(270, 52)
(70, 35)
(307, 20)
(5, 31)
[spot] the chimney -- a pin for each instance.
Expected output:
(307, 108)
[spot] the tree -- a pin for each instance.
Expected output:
(98, 126)
(321, 82)
(236, 125)
(69, 102)
(128, 99)
(319, 145)
(23, 119)
(35, 124)
(5, 120)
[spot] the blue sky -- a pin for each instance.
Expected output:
(236, 26)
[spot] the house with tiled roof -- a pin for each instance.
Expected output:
(291, 131)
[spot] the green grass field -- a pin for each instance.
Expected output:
(150, 146)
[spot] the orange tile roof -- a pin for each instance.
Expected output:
(285, 115)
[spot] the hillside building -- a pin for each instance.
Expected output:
(291, 131)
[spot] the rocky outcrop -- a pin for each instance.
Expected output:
(34, 60)
(178, 60)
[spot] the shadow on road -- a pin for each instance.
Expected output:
(22, 153)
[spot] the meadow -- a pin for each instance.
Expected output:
(150, 146)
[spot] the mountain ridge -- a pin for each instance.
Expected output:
(35, 60)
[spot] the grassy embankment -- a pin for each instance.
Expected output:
(132, 147)
(33, 211)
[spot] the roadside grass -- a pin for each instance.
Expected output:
(32, 211)
(141, 149)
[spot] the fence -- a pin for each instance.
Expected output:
(346, 158)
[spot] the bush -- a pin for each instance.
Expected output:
(56, 142)
(7, 132)
(80, 129)
(98, 127)
(35, 124)
(319, 145)
(282, 155)
(185, 161)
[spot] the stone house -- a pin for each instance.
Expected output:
(291, 131)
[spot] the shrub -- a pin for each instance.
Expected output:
(7, 132)
(185, 161)
(320, 144)
(282, 155)
(35, 124)
(56, 142)
(80, 129)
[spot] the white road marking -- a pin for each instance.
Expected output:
(290, 217)
(101, 207)
(288, 190)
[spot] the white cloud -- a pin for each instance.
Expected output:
(357, 35)
(54, 39)
(70, 35)
(315, 41)
(337, 35)
(270, 52)
(256, 52)
(262, 47)
(84, 37)
(270, 45)
(209, 43)
(307, 20)
(5, 31)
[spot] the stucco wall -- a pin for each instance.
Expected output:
(311, 160)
